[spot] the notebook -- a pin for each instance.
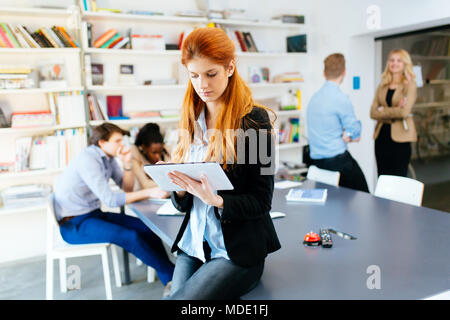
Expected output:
(307, 195)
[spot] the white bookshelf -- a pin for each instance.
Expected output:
(111, 16)
(38, 90)
(35, 99)
(37, 12)
(31, 173)
(41, 129)
(75, 16)
(136, 88)
(51, 51)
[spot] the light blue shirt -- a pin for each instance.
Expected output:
(84, 184)
(203, 223)
(330, 113)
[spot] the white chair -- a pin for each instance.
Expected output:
(400, 189)
(324, 176)
(151, 273)
(57, 248)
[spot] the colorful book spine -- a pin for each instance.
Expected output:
(49, 38)
(5, 38)
(108, 43)
(31, 42)
(54, 37)
(104, 37)
(112, 44)
(67, 36)
(11, 36)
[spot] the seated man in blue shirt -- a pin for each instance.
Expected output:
(332, 124)
(84, 186)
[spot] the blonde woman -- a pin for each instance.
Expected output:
(391, 107)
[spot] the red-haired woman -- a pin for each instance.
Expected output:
(225, 235)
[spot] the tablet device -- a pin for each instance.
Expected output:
(213, 171)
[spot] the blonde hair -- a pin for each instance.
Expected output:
(237, 102)
(408, 73)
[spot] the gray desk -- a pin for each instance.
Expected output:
(410, 246)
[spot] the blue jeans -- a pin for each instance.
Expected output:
(216, 279)
(125, 231)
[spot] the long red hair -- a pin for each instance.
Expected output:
(237, 100)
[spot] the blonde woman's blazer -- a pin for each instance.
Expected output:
(395, 115)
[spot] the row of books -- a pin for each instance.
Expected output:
(65, 108)
(49, 152)
(15, 77)
(19, 36)
(111, 39)
(243, 41)
(113, 110)
(24, 195)
(289, 131)
(439, 46)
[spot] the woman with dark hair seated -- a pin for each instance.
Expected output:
(148, 149)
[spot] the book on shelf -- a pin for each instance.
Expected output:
(154, 42)
(169, 114)
(121, 44)
(96, 108)
(31, 119)
(101, 40)
(290, 18)
(145, 12)
(70, 106)
(19, 36)
(3, 121)
(251, 46)
(293, 76)
(289, 132)
(25, 195)
(307, 195)
(114, 106)
(143, 114)
(23, 148)
(241, 41)
(183, 35)
(16, 77)
(161, 82)
(88, 5)
(191, 13)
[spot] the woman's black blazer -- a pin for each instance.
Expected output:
(248, 231)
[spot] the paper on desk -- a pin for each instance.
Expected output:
(167, 209)
(287, 184)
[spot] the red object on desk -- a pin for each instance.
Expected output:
(311, 238)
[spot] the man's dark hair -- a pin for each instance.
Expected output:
(149, 134)
(104, 132)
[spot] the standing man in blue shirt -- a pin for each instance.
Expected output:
(332, 124)
(84, 186)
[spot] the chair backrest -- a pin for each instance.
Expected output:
(54, 238)
(400, 189)
(324, 176)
